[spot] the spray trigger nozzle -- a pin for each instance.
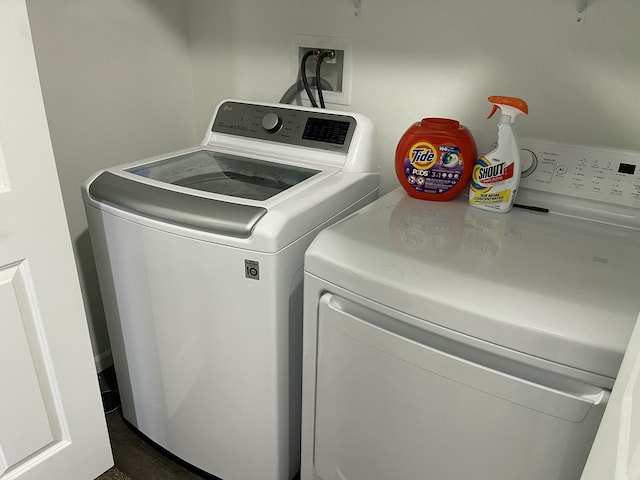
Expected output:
(511, 107)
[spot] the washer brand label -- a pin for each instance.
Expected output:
(252, 269)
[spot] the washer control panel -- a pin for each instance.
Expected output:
(304, 128)
(605, 175)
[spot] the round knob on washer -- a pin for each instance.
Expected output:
(271, 122)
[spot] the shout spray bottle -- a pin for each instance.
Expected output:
(496, 175)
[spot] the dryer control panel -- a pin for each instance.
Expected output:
(599, 174)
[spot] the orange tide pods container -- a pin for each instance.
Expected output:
(434, 159)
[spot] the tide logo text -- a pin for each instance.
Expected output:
(422, 155)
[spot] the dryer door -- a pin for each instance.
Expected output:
(395, 401)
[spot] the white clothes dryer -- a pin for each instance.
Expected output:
(199, 256)
(444, 342)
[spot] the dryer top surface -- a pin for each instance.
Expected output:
(555, 287)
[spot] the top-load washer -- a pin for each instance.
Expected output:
(199, 256)
(444, 342)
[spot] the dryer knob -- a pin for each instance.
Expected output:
(271, 122)
(529, 162)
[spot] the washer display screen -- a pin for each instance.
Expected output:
(324, 130)
(627, 168)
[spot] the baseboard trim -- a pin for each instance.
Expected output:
(103, 360)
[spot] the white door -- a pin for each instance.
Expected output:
(615, 454)
(51, 420)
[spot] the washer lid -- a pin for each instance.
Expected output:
(205, 171)
(189, 211)
(225, 174)
(558, 288)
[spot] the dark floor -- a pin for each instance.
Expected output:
(133, 456)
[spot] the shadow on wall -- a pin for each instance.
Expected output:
(166, 16)
(93, 301)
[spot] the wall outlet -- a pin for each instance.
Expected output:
(336, 71)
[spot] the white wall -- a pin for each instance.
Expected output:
(116, 81)
(418, 58)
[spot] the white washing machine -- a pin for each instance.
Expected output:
(444, 342)
(199, 255)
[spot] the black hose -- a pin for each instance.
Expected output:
(328, 53)
(303, 76)
(297, 87)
